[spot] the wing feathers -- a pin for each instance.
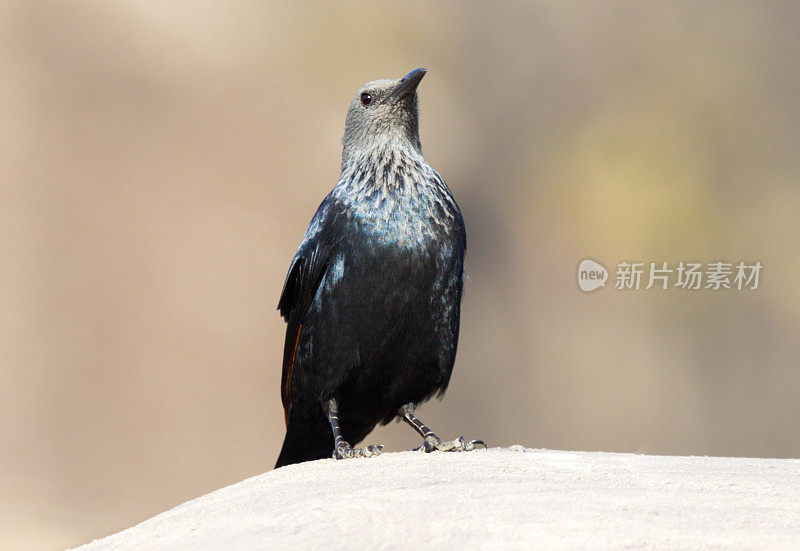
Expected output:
(302, 282)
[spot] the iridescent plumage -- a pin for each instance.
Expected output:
(372, 297)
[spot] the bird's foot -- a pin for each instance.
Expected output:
(434, 443)
(344, 451)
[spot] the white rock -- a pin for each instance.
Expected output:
(514, 498)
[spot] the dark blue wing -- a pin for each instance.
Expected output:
(304, 277)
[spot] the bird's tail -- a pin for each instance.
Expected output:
(308, 437)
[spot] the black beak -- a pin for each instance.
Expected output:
(407, 86)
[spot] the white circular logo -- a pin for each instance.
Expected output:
(591, 275)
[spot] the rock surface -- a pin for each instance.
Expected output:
(512, 498)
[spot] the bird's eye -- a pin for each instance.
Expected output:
(366, 99)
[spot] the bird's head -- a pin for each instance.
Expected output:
(383, 114)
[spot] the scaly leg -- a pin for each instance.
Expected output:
(433, 442)
(341, 449)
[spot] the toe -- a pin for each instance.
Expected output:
(342, 452)
(457, 445)
(431, 444)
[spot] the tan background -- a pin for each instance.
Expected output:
(159, 162)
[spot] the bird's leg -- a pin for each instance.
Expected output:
(341, 448)
(433, 442)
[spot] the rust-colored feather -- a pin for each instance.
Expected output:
(286, 387)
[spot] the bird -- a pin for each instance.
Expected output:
(372, 297)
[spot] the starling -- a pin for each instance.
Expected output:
(373, 295)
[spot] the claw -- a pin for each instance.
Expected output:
(371, 450)
(344, 451)
(434, 443)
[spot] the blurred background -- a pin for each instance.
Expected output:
(159, 163)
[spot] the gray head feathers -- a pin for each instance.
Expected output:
(383, 114)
